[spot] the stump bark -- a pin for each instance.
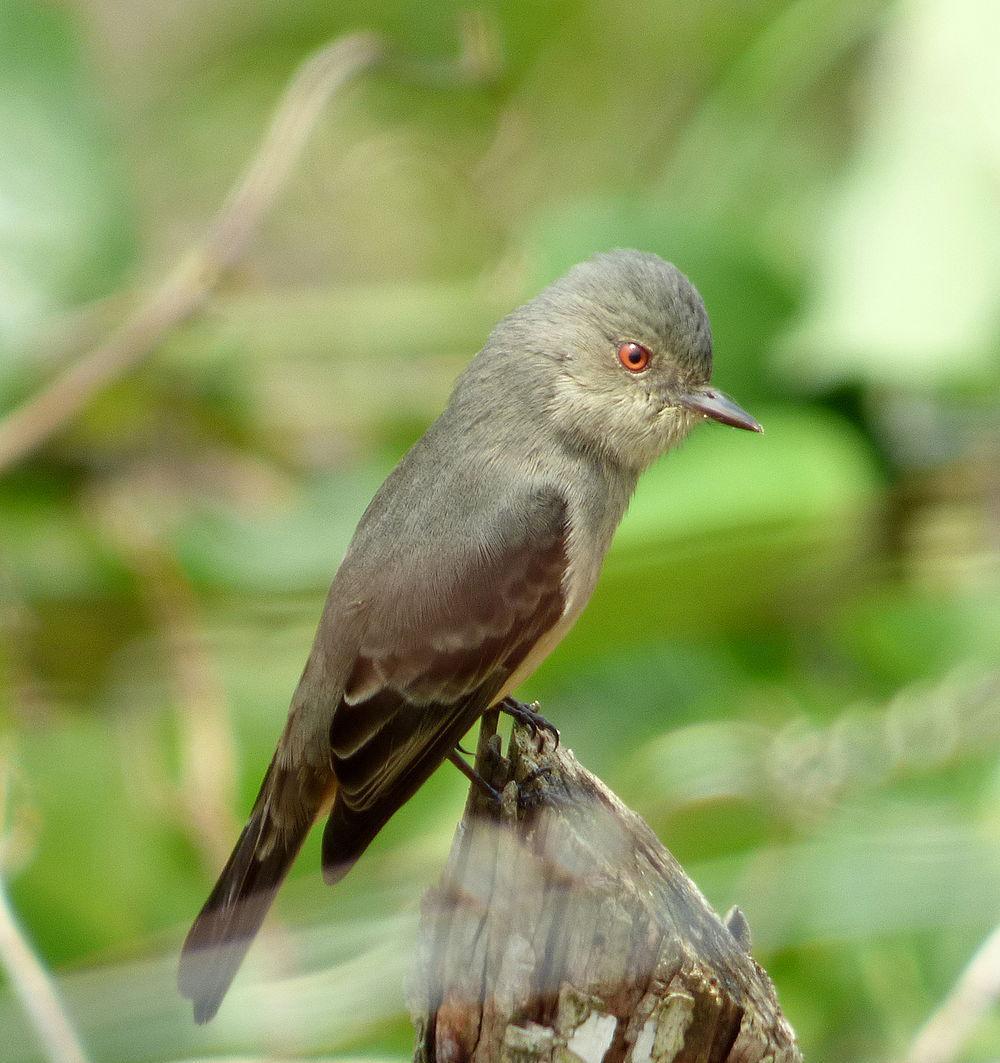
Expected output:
(562, 930)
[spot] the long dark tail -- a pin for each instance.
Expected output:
(232, 915)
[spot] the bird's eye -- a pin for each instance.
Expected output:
(634, 357)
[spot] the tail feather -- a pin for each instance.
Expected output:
(346, 836)
(232, 915)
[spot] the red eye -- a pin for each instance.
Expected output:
(634, 357)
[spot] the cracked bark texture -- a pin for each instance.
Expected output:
(562, 930)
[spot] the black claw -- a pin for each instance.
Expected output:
(532, 719)
(536, 774)
(529, 797)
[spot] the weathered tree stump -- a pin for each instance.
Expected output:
(562, 930)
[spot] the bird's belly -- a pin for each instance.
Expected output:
(587, 543)
(579, 591)
(542, 648)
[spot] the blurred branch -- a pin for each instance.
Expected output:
(34, 988)
(207, 744)
(805, 771)
(25, 972)
(203, 800)
(978, 988)
(186, 288)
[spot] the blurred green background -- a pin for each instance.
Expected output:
(791, 664)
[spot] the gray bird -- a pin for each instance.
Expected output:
(470, 564)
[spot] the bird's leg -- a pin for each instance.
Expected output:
(474, 777)
(527, 714)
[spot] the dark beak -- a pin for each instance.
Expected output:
(712, 403)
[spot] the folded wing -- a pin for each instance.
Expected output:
(435, 660)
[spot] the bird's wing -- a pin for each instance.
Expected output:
(422, 679)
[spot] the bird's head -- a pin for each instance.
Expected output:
(627, 347)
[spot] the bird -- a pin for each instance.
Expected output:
(470, 564)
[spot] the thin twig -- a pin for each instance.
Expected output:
(187, 286)
(18, 961)
(190, 283)
(206, 739)
(203, 801)
(33, 986)
(976, 991)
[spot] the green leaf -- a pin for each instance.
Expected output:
(65, 226)
(907, 268)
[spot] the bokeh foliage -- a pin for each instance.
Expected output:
(790, 666)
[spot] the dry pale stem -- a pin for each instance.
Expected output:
(35, 989)
(977, 990)
(188, 286)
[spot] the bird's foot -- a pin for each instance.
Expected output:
(530, 796)
(528, 715)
